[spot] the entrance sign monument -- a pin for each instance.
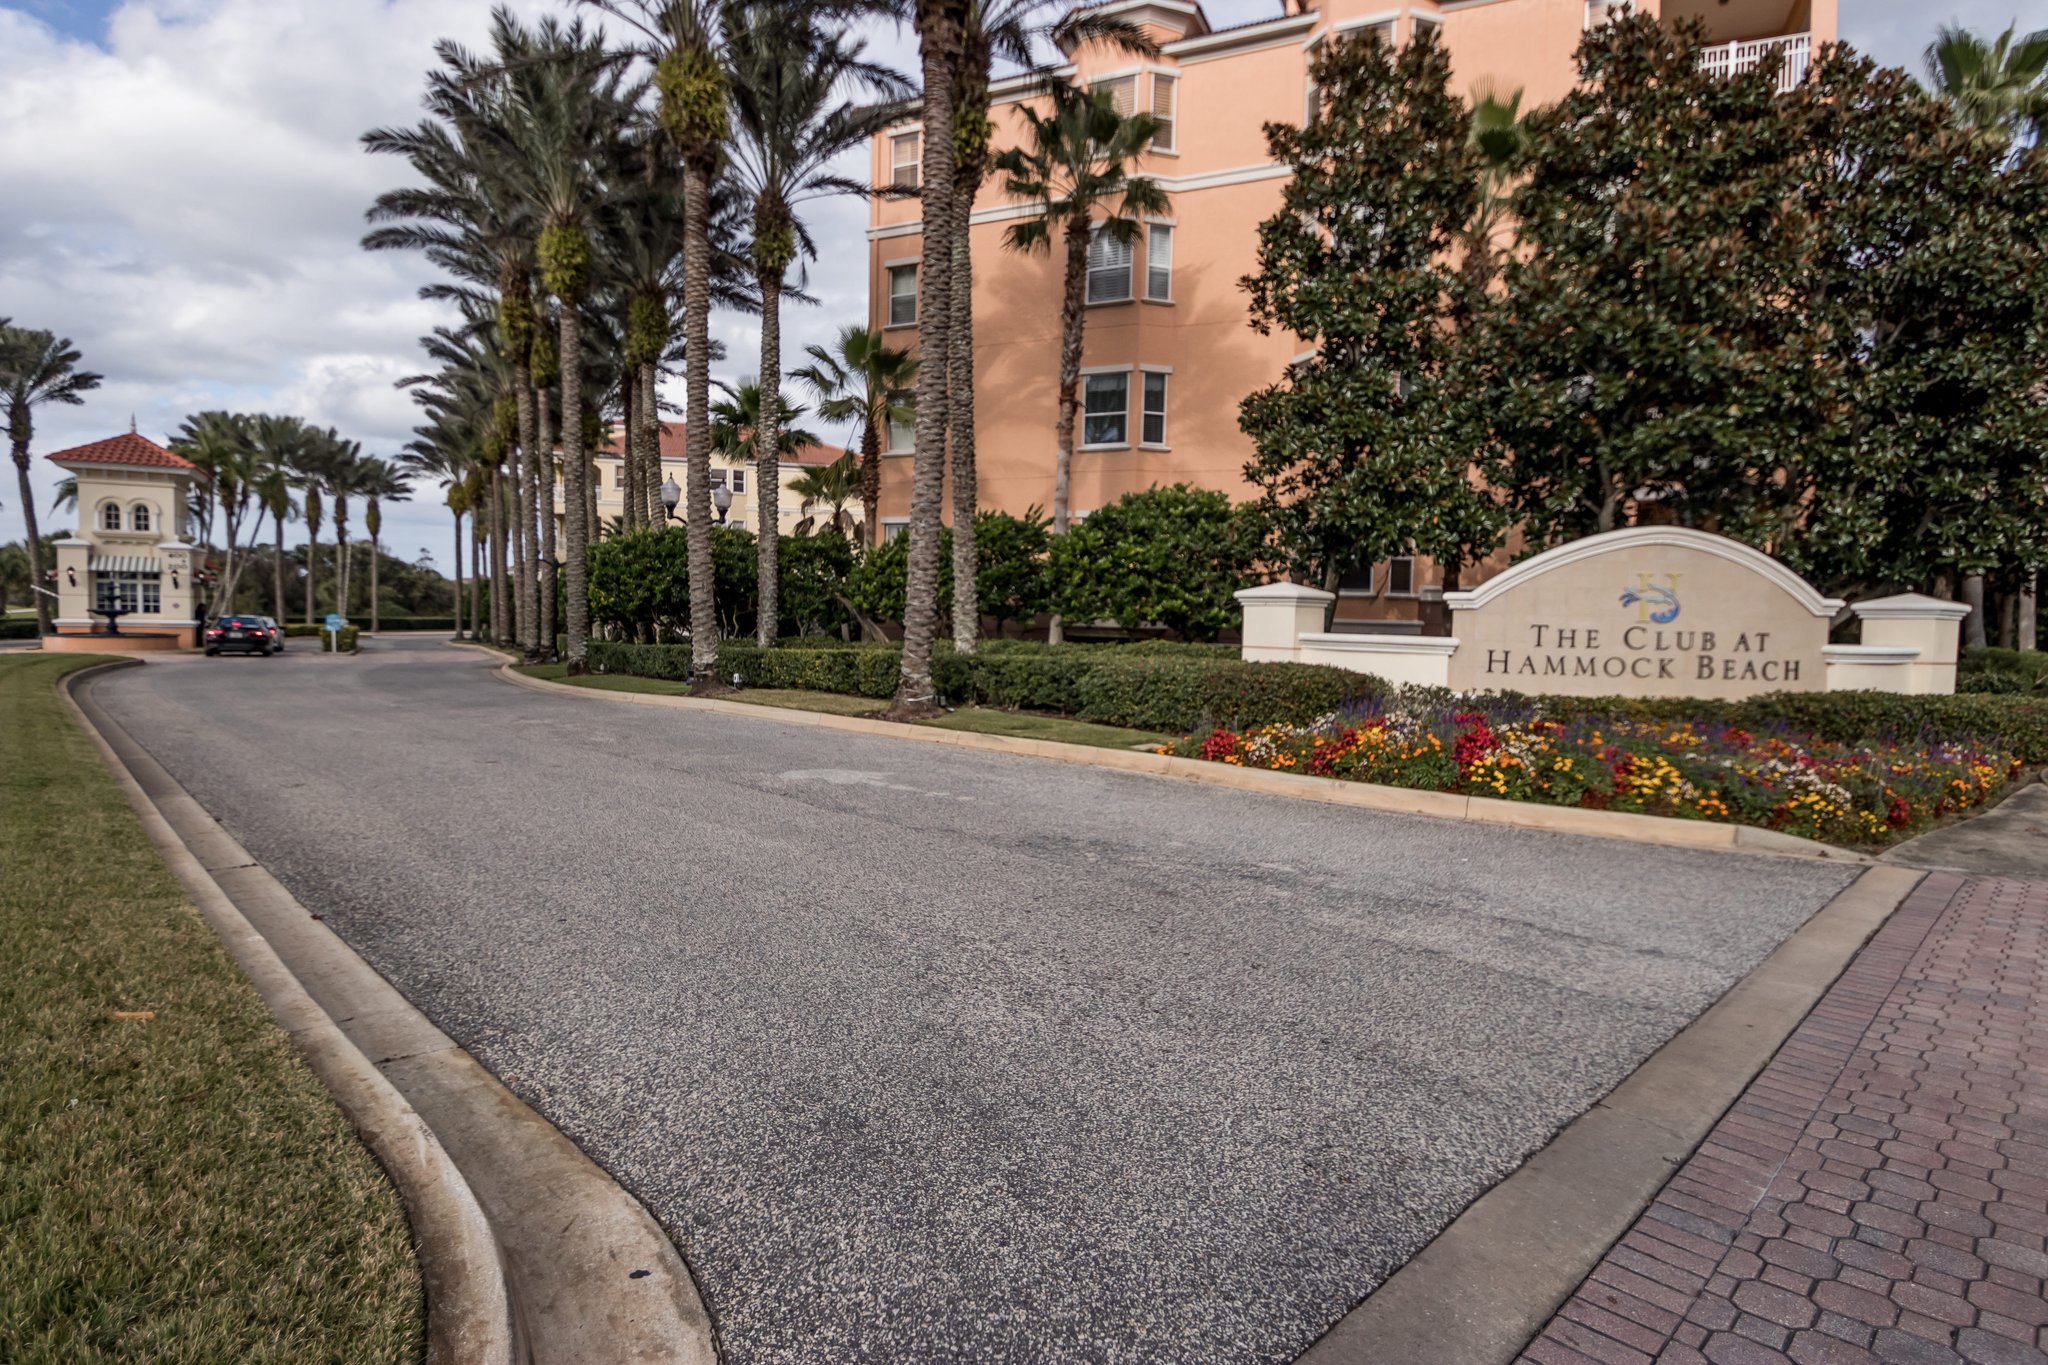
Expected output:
(1648, 611)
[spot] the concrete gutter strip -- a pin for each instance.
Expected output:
(1487, 1283)
(559, 1265)
(1602, 824)
(469, 1311)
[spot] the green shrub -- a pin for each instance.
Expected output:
(639, 661)
(877, 583)
(1171, 556)
(342, 641)
(17, 628)
(1190, 693)
(2015, 670)
(851, 671)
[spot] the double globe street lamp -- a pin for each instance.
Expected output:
(721, 499)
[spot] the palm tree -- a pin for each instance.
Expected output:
(561, 116)
(872, 385)
(1498, 138)
(308, 472)
(348, 478)
(281, 441)
(833, 485)
(791, 124)
(223, 447)
(36, 368)
(736, 430)
(444, 452)
(384, 481)
(1073, 169)
(1009, 31)
(1999, 89)
(681, 40)
(941, 43)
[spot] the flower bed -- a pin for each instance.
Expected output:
(1867, 793)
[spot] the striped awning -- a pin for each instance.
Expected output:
(125, 564)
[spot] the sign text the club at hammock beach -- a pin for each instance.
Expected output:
(1649, 612)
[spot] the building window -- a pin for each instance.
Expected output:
(1383, 33)
(893, 527)
(1109, 267)
(1356, 582)
(737, 523)
(139, 518)
(1165, 106)
(1401, 576)
(125, 592)
(718, 478)
(1152, 422)
(1422, 26)
(1159, 263)
(902, 295)
(1123, 93)
(902, 436)
(1106, 409)
(904, 163)
(110, 517)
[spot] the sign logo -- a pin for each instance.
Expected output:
(1653, 603)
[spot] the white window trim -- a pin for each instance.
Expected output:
(1131, 293)
(889, 298)
(900, 525)
(1172, 74)
(1414, 576)
(1165, 421)
(1145, 294)
(1082, 413)
(1372, 573)
(1096, 78)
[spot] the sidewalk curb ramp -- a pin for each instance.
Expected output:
(1603, 824)
(531, 1254)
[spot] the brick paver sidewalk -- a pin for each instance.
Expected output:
(1880, 1192)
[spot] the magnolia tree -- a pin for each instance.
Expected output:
(1364, 447)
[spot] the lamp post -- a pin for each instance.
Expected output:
(721, 499)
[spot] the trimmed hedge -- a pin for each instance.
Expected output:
(342, 641)
(18, 628)
(1140, 686)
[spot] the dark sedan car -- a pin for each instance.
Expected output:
(243, 634)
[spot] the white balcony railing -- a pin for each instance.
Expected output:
(1731, 59)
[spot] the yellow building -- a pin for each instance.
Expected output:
(132, 554)
(737, 477)
(1169, 350)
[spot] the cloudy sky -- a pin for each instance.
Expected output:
(181, 193)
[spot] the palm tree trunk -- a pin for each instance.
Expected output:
(312, 553)
(575, 474)
(697, 420)
(632, 459)
(768, 466)
(458, 573)
(653, 513)
(530, 454)
(548, 566)
(2030, 611)
(960, 436)
(476, 576)
(519, 571)
(277, 574)
(35, 539)
(938, 31)
(871, 480)
(1073, 317)
(501, 603)
(340, 558)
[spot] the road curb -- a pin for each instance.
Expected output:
(1491, 1280)
(1601, 824)
(532, 1253)
(469, 1309)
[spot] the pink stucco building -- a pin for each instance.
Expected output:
(1169, 351)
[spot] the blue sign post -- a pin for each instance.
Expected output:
(335, 621)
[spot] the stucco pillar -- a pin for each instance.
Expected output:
(1277, 615)
(1926, 624)
(73, 586)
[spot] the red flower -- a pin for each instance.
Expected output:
(1475, 741)
(1219, 746)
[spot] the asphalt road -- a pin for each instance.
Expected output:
(928, 1055)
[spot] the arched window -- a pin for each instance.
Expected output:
(139, 518)
(110, 517)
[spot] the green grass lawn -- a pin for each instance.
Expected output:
(172, 1189)
(980, 720)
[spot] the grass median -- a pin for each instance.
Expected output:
(175, 1184)
(982, 720)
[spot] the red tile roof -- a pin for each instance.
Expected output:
(127, 448)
